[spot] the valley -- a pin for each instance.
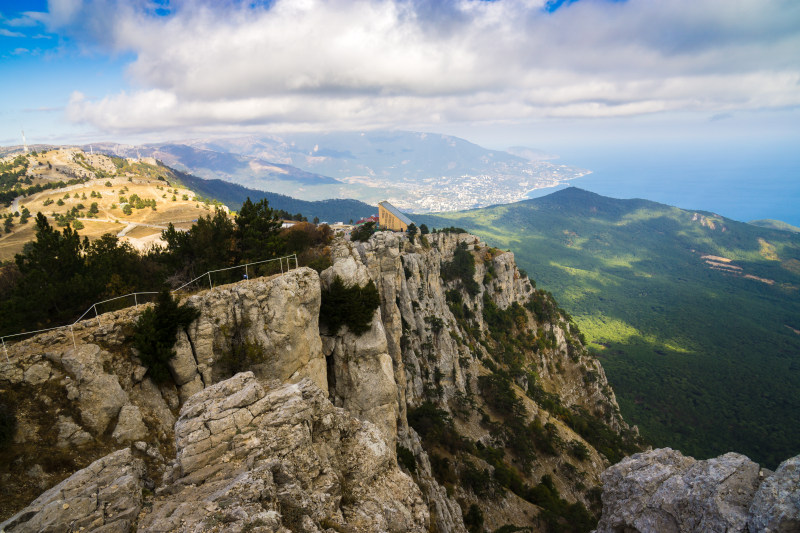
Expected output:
(692, 314)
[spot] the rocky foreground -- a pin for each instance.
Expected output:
(280, 457)
(249, 458)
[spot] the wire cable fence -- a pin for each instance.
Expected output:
(223, 276)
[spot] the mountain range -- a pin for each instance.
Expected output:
(420, 172)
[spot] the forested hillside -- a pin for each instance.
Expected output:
(695, 317)
(234, 195)
(59, 274)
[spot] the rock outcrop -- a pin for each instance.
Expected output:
(361, 376)
(81, 397)
(666, 492)
(105, 497)
(281, 458)
(249, 458)
(776, 506)
(308, 438)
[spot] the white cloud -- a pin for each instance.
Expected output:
(375, 63)
(6, 33)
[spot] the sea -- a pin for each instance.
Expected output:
(743, 183)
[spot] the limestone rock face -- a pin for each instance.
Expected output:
(99, 394)
(661, 490)
(105, 496)
(362, 380)
(776, 506)
(276, 318)
(279, 458)
(130, 426)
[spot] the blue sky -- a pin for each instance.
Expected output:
(542, 73)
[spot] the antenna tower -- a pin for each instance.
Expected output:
(24, 143)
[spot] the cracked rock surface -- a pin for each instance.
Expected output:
(280, 458)
(664, 491)
(106, 496)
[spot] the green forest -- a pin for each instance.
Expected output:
(59, 275)
(233, 195)
(703, 352)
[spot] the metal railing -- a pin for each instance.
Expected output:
(285, 261)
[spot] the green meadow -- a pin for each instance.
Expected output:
(696, 318)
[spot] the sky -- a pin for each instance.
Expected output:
(550, 74)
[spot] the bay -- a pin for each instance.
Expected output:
(744, 182)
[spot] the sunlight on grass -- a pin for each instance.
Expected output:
(639, 215)
(617, 261)
(576, 293)
(601, 329)
(586, 274)
(767, 250)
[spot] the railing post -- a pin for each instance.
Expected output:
(135, 300)
(96, 314)
(74, 345)
(209, 280)
(246, 275)
(5, 349)
(281, 261)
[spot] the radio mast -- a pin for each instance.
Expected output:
(24, 143)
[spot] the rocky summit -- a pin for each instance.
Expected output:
(465, 401)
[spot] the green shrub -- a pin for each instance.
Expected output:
(578, 450)
(474, 519)
(363, 232)
(154, 334)
(451, 229)
(479, 481)
(348, 306)
(406, 458)
(320, 263)
(238, 353)
(8, 423)
(442, 469)
(462, 267)
(435, 427)
(411, 232)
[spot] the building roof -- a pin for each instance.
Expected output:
(393, 210)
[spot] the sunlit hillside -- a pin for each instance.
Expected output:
(97, 194)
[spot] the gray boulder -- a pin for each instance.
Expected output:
(776, 506)
(104, 496)
(99, 394)
(130, 426)
(663, 491)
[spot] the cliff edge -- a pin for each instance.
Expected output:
(468, 403)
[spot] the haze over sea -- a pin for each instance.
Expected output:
(744, 183)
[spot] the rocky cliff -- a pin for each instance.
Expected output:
(468, 403)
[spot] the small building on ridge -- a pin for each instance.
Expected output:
(390, 217)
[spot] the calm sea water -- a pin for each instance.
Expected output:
(743, 183)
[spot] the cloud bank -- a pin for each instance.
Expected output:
(335, 64)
